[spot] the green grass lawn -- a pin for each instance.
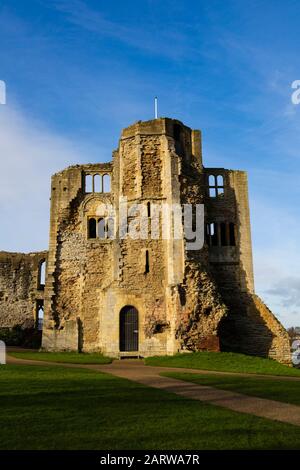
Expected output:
(225, 362)
(69, 357)
(274, 389)
(47, 407)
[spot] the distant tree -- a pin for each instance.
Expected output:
(293, 331)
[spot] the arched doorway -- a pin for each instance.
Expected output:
(129, 329)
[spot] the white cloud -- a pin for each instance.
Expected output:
(29, 154)
(275, 232)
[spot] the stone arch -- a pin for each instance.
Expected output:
(88, 183)
(106, 183)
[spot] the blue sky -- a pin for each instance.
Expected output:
(79, 71)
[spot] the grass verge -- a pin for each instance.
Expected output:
(47, 407)
(286, 391)
(67, 357)
(225, 362)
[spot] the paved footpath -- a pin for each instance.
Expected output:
(136, 371)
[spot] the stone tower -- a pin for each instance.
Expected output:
(106, 291)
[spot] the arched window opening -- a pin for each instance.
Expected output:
(220, 181)
(101, 228)
(97, 184)
(106, 184)
(211, 180)
(42, 274)
(40, 318)
(89, 184)
(92, 228)
(147, 262)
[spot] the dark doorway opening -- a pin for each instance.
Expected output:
(129, 332)
(39, 320)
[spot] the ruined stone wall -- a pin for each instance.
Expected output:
(20, 288)
(151, 165)
(235, 262)
(79, 266)
(202, 307)
(249, 327)
(129, 151)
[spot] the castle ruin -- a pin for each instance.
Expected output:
(144, 296)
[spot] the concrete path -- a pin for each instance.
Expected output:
(136, 371)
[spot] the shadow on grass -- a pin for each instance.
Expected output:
(59, 408)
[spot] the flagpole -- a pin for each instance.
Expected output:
(155, 107)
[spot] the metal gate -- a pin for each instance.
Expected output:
(129, 333)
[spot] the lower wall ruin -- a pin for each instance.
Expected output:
(20, 290)
(64, 339)
(251, 328)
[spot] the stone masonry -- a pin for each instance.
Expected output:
(107, 292)
(21, 292)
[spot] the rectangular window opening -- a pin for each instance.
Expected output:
(223, 234)
(232, 234)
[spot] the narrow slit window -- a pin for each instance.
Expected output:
(88, 184)
(97, 184)
(40, 318)
(147, 263)
(92, 228)
(149, 209)
(194, 223)
(223, 234)
(42, 274)
(231, 234)
(106, 184)
(39, 314)
(207, 234)
(212, 234)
